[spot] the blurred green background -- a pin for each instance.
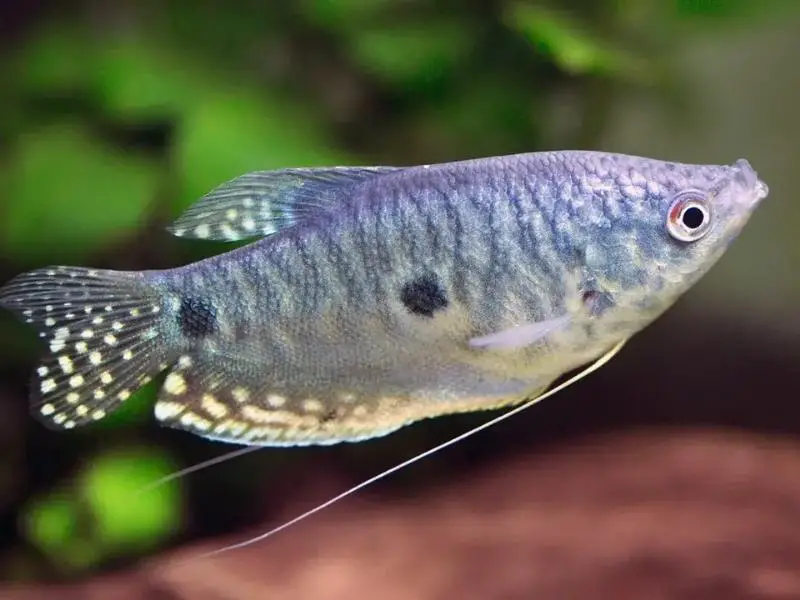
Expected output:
(115, 116)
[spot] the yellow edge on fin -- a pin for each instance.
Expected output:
(602, 360)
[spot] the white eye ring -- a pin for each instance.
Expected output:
(689, 217)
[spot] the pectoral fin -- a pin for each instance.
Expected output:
(521, 335)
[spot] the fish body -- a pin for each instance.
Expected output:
(379, 296)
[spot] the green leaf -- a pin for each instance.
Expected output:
(50, 523)
(412, 53)
(57, 59)
(68, 195)
(137, 78)
(124, 515)
(569, 46)
(110, 496)
(228, 134)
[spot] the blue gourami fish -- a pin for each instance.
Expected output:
(379, 296)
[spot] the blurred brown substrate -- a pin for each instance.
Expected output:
(578, 499)
(676, 515)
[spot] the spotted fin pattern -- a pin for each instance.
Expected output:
(101, 330)
(226, 400)
(263, 202)
(223, 401)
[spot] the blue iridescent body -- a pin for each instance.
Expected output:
(379, 296)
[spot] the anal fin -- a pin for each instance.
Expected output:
(527, 403)
(221, 399)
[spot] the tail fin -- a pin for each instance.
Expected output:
(102, 328)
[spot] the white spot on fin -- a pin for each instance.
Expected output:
(263, 202)
(95, 362)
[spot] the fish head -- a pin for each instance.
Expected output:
(707, 212)
(672, 224)
(699, 214)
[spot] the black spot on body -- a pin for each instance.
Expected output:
(197, 318)
(424, 295)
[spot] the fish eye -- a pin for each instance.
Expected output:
(689, 217)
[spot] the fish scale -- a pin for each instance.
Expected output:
(379, 296)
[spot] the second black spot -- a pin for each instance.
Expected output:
(424, 295)
(197, 318)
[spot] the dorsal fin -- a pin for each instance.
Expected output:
(262, 202)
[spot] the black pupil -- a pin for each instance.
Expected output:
(693, 217)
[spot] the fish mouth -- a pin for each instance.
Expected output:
(747, 178)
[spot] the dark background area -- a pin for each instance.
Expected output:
(671, 473)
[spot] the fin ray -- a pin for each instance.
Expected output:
(223, 399)
(525, 405)
(520, 336)
(101, 330)
(261, 203)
